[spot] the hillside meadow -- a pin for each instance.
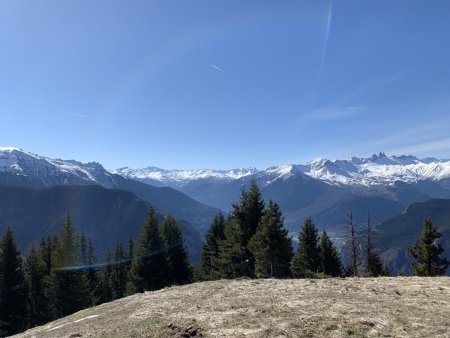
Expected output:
(335, 307)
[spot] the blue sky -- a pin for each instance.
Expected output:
(222, 84)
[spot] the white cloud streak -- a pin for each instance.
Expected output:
(80, 116)
(218, 68)
(325, 114)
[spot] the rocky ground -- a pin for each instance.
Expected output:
(353, 307)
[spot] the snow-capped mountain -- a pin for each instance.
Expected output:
(377, 170)
(178, 178)
(45, 172)
(24, 169)
(322, 188)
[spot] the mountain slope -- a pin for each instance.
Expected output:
(401, 232)
(323, 189)
(104, 215)
(20, 168)
(357, 307)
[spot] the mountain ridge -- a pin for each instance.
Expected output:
(25, 169)
(379, 169)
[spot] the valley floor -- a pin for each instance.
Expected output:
(353, 307)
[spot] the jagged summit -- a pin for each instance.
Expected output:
(379, 169)
(48, 172)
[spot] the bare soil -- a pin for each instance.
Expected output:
(352, 307)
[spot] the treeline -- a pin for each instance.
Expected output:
(61, 275)
(252, 242)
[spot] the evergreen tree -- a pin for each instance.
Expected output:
(91, 274)
(426, 254)
(233, 261)
(68, 292)
(386, 272)
(209, 268)
(148, 266)
(329, 257)
(306, 261)
(13, 290)
(119, 272)
(178, 266)
(248, 214)
(46, 251)
(105, 289)
(352, 248)
(271, 245)
(374, 265)
(130, 250)
(35, 278)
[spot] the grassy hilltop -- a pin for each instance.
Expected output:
(353, 307)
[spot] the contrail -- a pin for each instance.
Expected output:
(324, 53)
(218, 68)
(79, 115)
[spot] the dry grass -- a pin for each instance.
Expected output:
(354, 307)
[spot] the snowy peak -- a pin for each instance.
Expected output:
(50, 172)
(181, 177)
(379, 169)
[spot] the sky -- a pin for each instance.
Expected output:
(224, 84)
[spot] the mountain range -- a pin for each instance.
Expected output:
(384, 186)
(323, 189)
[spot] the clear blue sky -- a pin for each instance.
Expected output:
(221, 84)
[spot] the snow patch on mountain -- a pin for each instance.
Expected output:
(53, 171)
(182, 177)
(378, 170)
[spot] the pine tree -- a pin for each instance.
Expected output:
(352, 248)
(119, 274)
(209, 256)
(329, 257)
(46, 251)
(374, 265)
(386, 272)
(68, 292)
(13, 290)
(178, 266)
(426, 260)
(306, 261)
(91, 274)
(233, 261)
(130, 249)
(148, 266)
(271, 245)
(35, 278)
(248, 214)
(105, 289)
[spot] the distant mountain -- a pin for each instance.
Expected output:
(104, 215)
(377, 170)
(323, 189)
(399, 233)
(20, 168)
(179, 178)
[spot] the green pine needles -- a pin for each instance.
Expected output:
(426, 260)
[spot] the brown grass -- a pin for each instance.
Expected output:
(354, 307)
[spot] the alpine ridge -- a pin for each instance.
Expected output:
(377, 170)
